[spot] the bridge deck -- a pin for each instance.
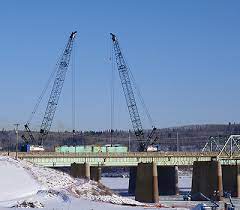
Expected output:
(51, 159)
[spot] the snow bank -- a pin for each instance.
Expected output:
(26, 204)
(21, 178)
(24, 185)
(15, 182)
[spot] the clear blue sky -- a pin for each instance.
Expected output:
(185, 56)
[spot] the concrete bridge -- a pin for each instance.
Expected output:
(52, 159)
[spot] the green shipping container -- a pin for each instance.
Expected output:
(71, 149)
(96, 149)
(104, 149)
(79, 149)
(90, 148)
(118, 149)
(57, 149)
(61, 149)
(87, 149)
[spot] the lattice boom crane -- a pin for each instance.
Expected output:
(62, 67)
(129, 96)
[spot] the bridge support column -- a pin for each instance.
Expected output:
(132, 180)
(168, 180)
(95, 173)
(231, 179)
(147, 183)
(207, 179)
(79, 170)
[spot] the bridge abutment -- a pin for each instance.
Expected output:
(207, 179)
(80, 170)
(231, 179)
(147, 183)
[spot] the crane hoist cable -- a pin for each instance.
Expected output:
(112, 93)
(141, 99)
(47, 84)
(39, 100)
(73, 91)
(73, 96)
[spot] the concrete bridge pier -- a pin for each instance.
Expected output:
(231, 179)
(147, 183)
(207, 179)
(80, 170)
(95, 173)
(132, 180)
(168, 180)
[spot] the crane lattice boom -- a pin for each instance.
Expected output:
(128, 90)
(57, 88)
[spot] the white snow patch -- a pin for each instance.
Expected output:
(23, 184)
(15, 182)
(27, 179)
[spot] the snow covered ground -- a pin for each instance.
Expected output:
(23, 184)
(15, 182)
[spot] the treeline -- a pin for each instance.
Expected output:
(184, 138)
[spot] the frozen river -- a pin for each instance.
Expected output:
(120, 186)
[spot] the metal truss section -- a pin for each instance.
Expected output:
(212, 145)
(231, 147)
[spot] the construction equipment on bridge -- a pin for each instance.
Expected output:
(61, 69)
(92, 149)
(124, 72)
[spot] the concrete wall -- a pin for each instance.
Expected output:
(168, 180)
(207, 179)
(95, 173)
(132, 180)
(147, 183)
(231, 179)
(80, 170)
